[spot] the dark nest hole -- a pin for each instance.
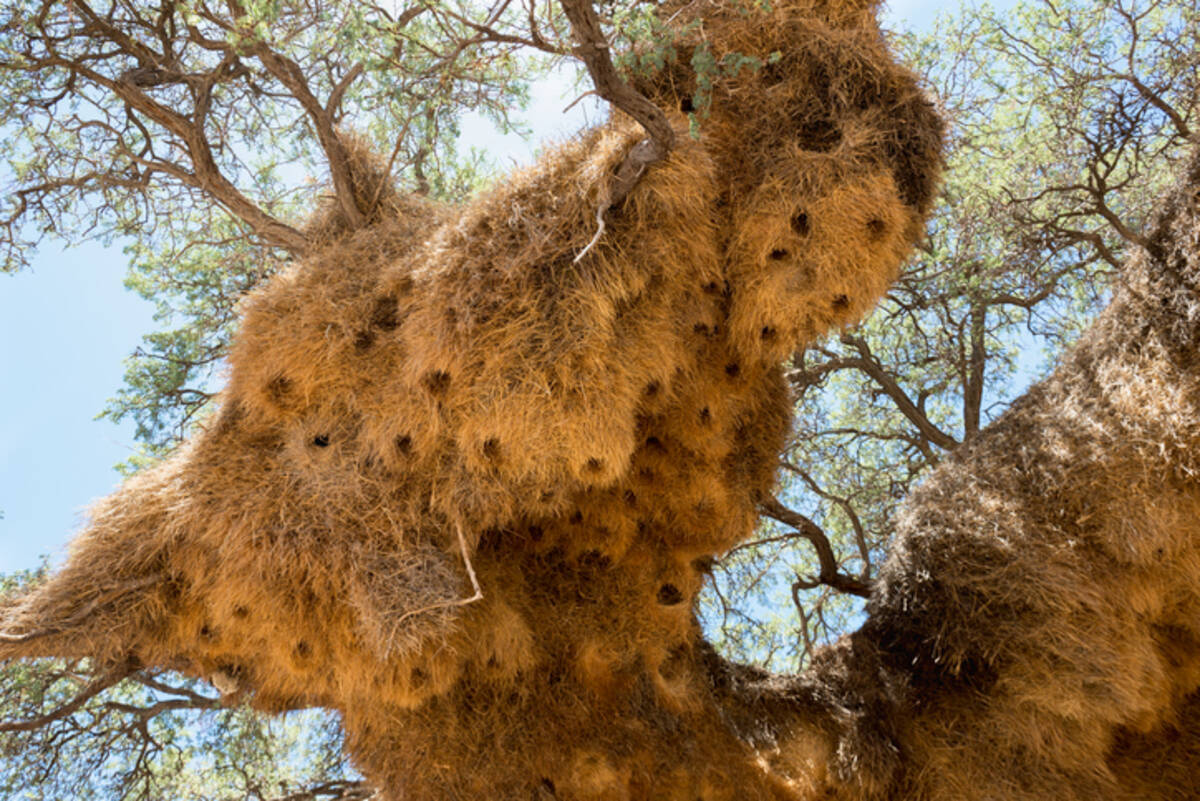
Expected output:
(385, 315)
(800, 224)
(364, 341)
(594, 560)
(669, 595)
(279, 388)
(437, 382)
(818, 135)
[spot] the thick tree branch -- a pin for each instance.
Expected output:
(94, 688)
(205, 174)
(810, 531)
(332, 791)
(1148, 94)
(894, 391)
(593, 50)
(288, 73)
(976, 366)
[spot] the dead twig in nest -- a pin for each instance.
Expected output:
(477, 596)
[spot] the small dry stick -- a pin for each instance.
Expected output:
(478, 596)
(588, 93)
(599, 233)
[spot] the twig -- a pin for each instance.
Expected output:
(575, 102)
(829, 575)
(596, 238)
(478, 596)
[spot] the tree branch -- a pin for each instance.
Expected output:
(94, 688)
(334, 791)
(894, 391)
(205, 174)
(288, 73)
(810, 531)
(593, 50)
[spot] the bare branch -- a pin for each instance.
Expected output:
(810, 531)
(288, 73)
(593, 50)
(205, 173)
(904, 403)
(333, 791)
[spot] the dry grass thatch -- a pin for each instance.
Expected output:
(445, 401)
(1035, 632)
(597, 432)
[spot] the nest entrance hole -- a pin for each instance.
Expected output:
(800, 224)
(669, 595)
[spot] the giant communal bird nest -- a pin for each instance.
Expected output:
(464, 489)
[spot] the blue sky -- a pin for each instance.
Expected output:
(67, 324)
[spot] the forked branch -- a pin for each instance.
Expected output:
(829, 573)
(593, 49)
(95, 687)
